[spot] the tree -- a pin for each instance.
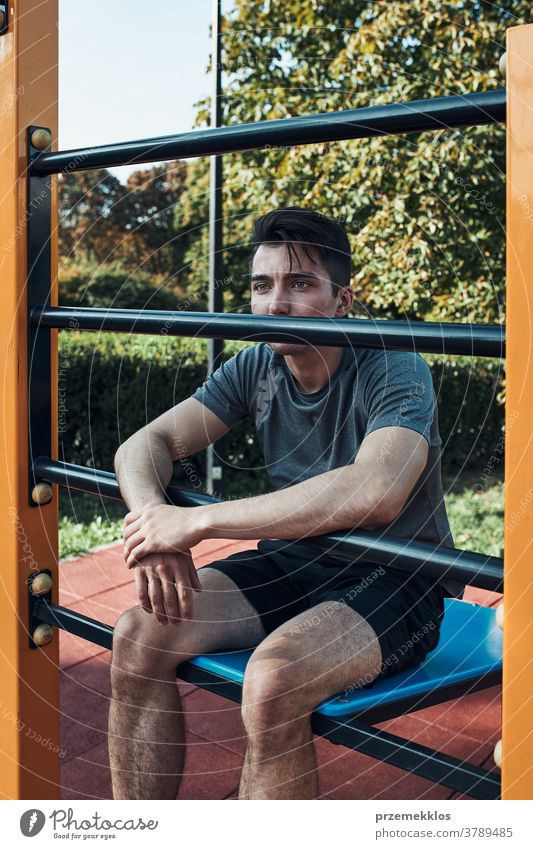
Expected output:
(103, 221)
(424, 212)
(153, 196)
(90, 223)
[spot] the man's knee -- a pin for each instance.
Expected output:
(127, 627)
(140, 643)
(270, 700)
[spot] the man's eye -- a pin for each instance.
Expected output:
(259, 286)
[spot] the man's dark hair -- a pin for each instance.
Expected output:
(296, 225)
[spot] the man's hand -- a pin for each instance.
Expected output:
(165, 584)
(157, 528)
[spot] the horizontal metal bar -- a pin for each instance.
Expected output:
(386, 747)
(485, 107)
(105, 484)
(478, 340)
(4, 18)
(208, 680)
(455, 564)
(75, 623)
(412, 757)
(452, 564)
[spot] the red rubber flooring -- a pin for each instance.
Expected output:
(99, 585)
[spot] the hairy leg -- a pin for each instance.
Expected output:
(308, 659)
(146, 728)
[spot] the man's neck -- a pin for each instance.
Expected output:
(314, 368)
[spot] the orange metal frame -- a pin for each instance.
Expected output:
(29, 701)
(517, 704)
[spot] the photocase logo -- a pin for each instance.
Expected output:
(32, 822)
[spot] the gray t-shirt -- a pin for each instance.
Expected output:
(305, 434)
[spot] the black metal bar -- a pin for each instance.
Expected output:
(4, 18)
(215, 347)
(210, 681)
(75, 623)
(405, 754)
(477, 108)
(452, 564)
(420, 760)
(477, 340)
(481, 570)
(105, 484)
(39, 224)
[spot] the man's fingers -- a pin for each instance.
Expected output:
(155, 592)
(131, 539)
(185, 599)
(165, 584)
(141, 585)
(132, 542)
(136, 555)
(139, 547)
(171, 601)
(132, 523)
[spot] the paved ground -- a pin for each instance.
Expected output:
(100, 586)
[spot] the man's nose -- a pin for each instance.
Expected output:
(279, 305)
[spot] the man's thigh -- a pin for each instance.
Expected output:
(269, 589)
(404, 610)
(315, 655)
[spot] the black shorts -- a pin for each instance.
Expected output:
(404, 609)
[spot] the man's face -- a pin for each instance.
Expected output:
(278, 290)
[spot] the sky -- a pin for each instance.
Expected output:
(131, 69)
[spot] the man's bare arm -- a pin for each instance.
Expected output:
(143, 463)
(143, 467)
(370, 492)
(341, 498)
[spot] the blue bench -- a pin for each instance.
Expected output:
(467, 658)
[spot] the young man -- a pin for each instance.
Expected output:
(350, 440)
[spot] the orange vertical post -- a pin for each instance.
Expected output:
(29, 697)
(517, 730)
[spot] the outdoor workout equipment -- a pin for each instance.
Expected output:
(469, 655)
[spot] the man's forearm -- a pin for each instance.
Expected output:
(335, 500)
(143, 467)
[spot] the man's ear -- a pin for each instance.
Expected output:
(345, 299)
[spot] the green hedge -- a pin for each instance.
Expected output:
(114, 384)
(470, 398)
(89, 284)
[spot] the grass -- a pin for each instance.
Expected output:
(84, 523)
(476, 519)
(80, 537)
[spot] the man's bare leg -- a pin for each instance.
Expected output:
(146, 735)
(146, 727)
(288, 771)
(303, 662)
